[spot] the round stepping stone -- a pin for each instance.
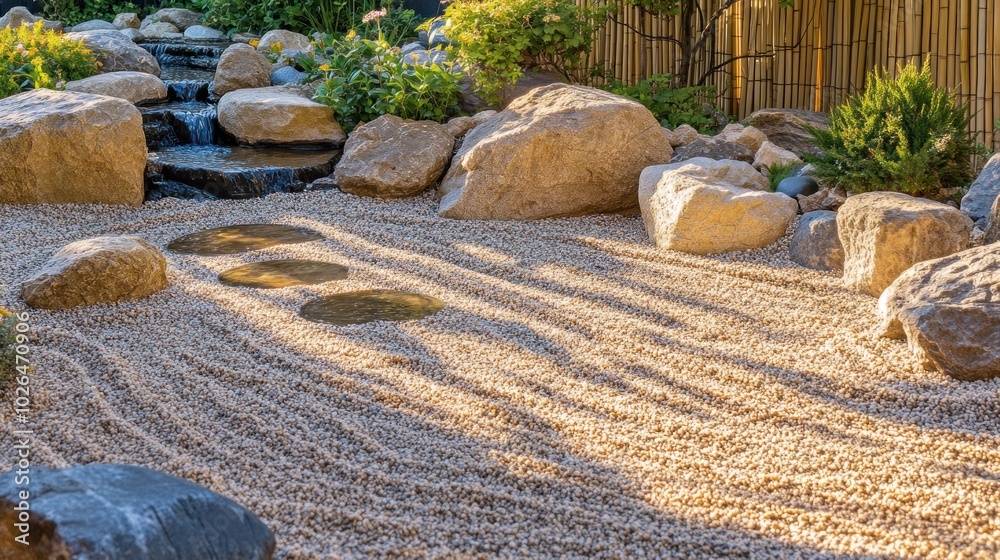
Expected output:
(237, 239)
(283, 273)
(355, 308)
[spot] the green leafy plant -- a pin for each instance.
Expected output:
(670, 105)
(72, 12)
(305, 16)
(903, 134)
(498, 39)
(365, 78)
(781, 171)
(32, 58)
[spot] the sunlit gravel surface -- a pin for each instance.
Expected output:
(582, 395)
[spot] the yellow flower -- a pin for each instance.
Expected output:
(352, 34)
(324, 67)
(254, 43)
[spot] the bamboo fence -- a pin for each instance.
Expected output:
(817, 52)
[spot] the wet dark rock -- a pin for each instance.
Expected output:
(237, 172)
(173, 189)
(123, 511)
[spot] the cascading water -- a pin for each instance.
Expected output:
(187, 147)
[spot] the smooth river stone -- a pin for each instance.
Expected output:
(355, 308)
(283, 273)
(237, 239)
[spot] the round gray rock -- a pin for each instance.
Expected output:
(116, 52)
(816, 244)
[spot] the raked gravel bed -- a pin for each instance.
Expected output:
(583, 395)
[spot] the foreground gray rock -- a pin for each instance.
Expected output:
(97, 270)
(886, 233)
(240, 67)
(61, 147)
(557, 151)
(117, 53)
(704, 206)
(280, 115)
(978, 202)
(124, 511)
(135, 87)
(787, 128)
(816, 244)
(391, 157)
(948, 310)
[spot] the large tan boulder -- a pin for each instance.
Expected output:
(135, 87)
(278, 116)
(788, 128)
(116, 52)
(97, 270)
(948, 310)
(391, 157)
(770, 155)
(748, 136)
(240, 67)
(559, 150)
(707, 206)
(885, 233)
(60, 147)
(19, 15)
(289, 41)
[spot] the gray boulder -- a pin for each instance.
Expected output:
(287, 75)
(178, 17)
(978, 202)
(160, 30)
(203, 33)
(816, 244)
(713, 148)
(18, 16)
(124, 511)
(93, 25)
(788, 128)
(116, 52)
(993, 232)
(948, 310)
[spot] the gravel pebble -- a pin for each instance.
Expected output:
(582, 395)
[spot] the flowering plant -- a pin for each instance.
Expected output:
(32, 58)
(366, 78)
(498, 39)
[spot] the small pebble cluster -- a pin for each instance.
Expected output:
(583, 394)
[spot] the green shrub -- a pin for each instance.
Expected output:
(366, 78)
(672, 106)
(900, 134)
(781, 171)
(305, 16)
(498, 39)
(72, 12)
(32, 58)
